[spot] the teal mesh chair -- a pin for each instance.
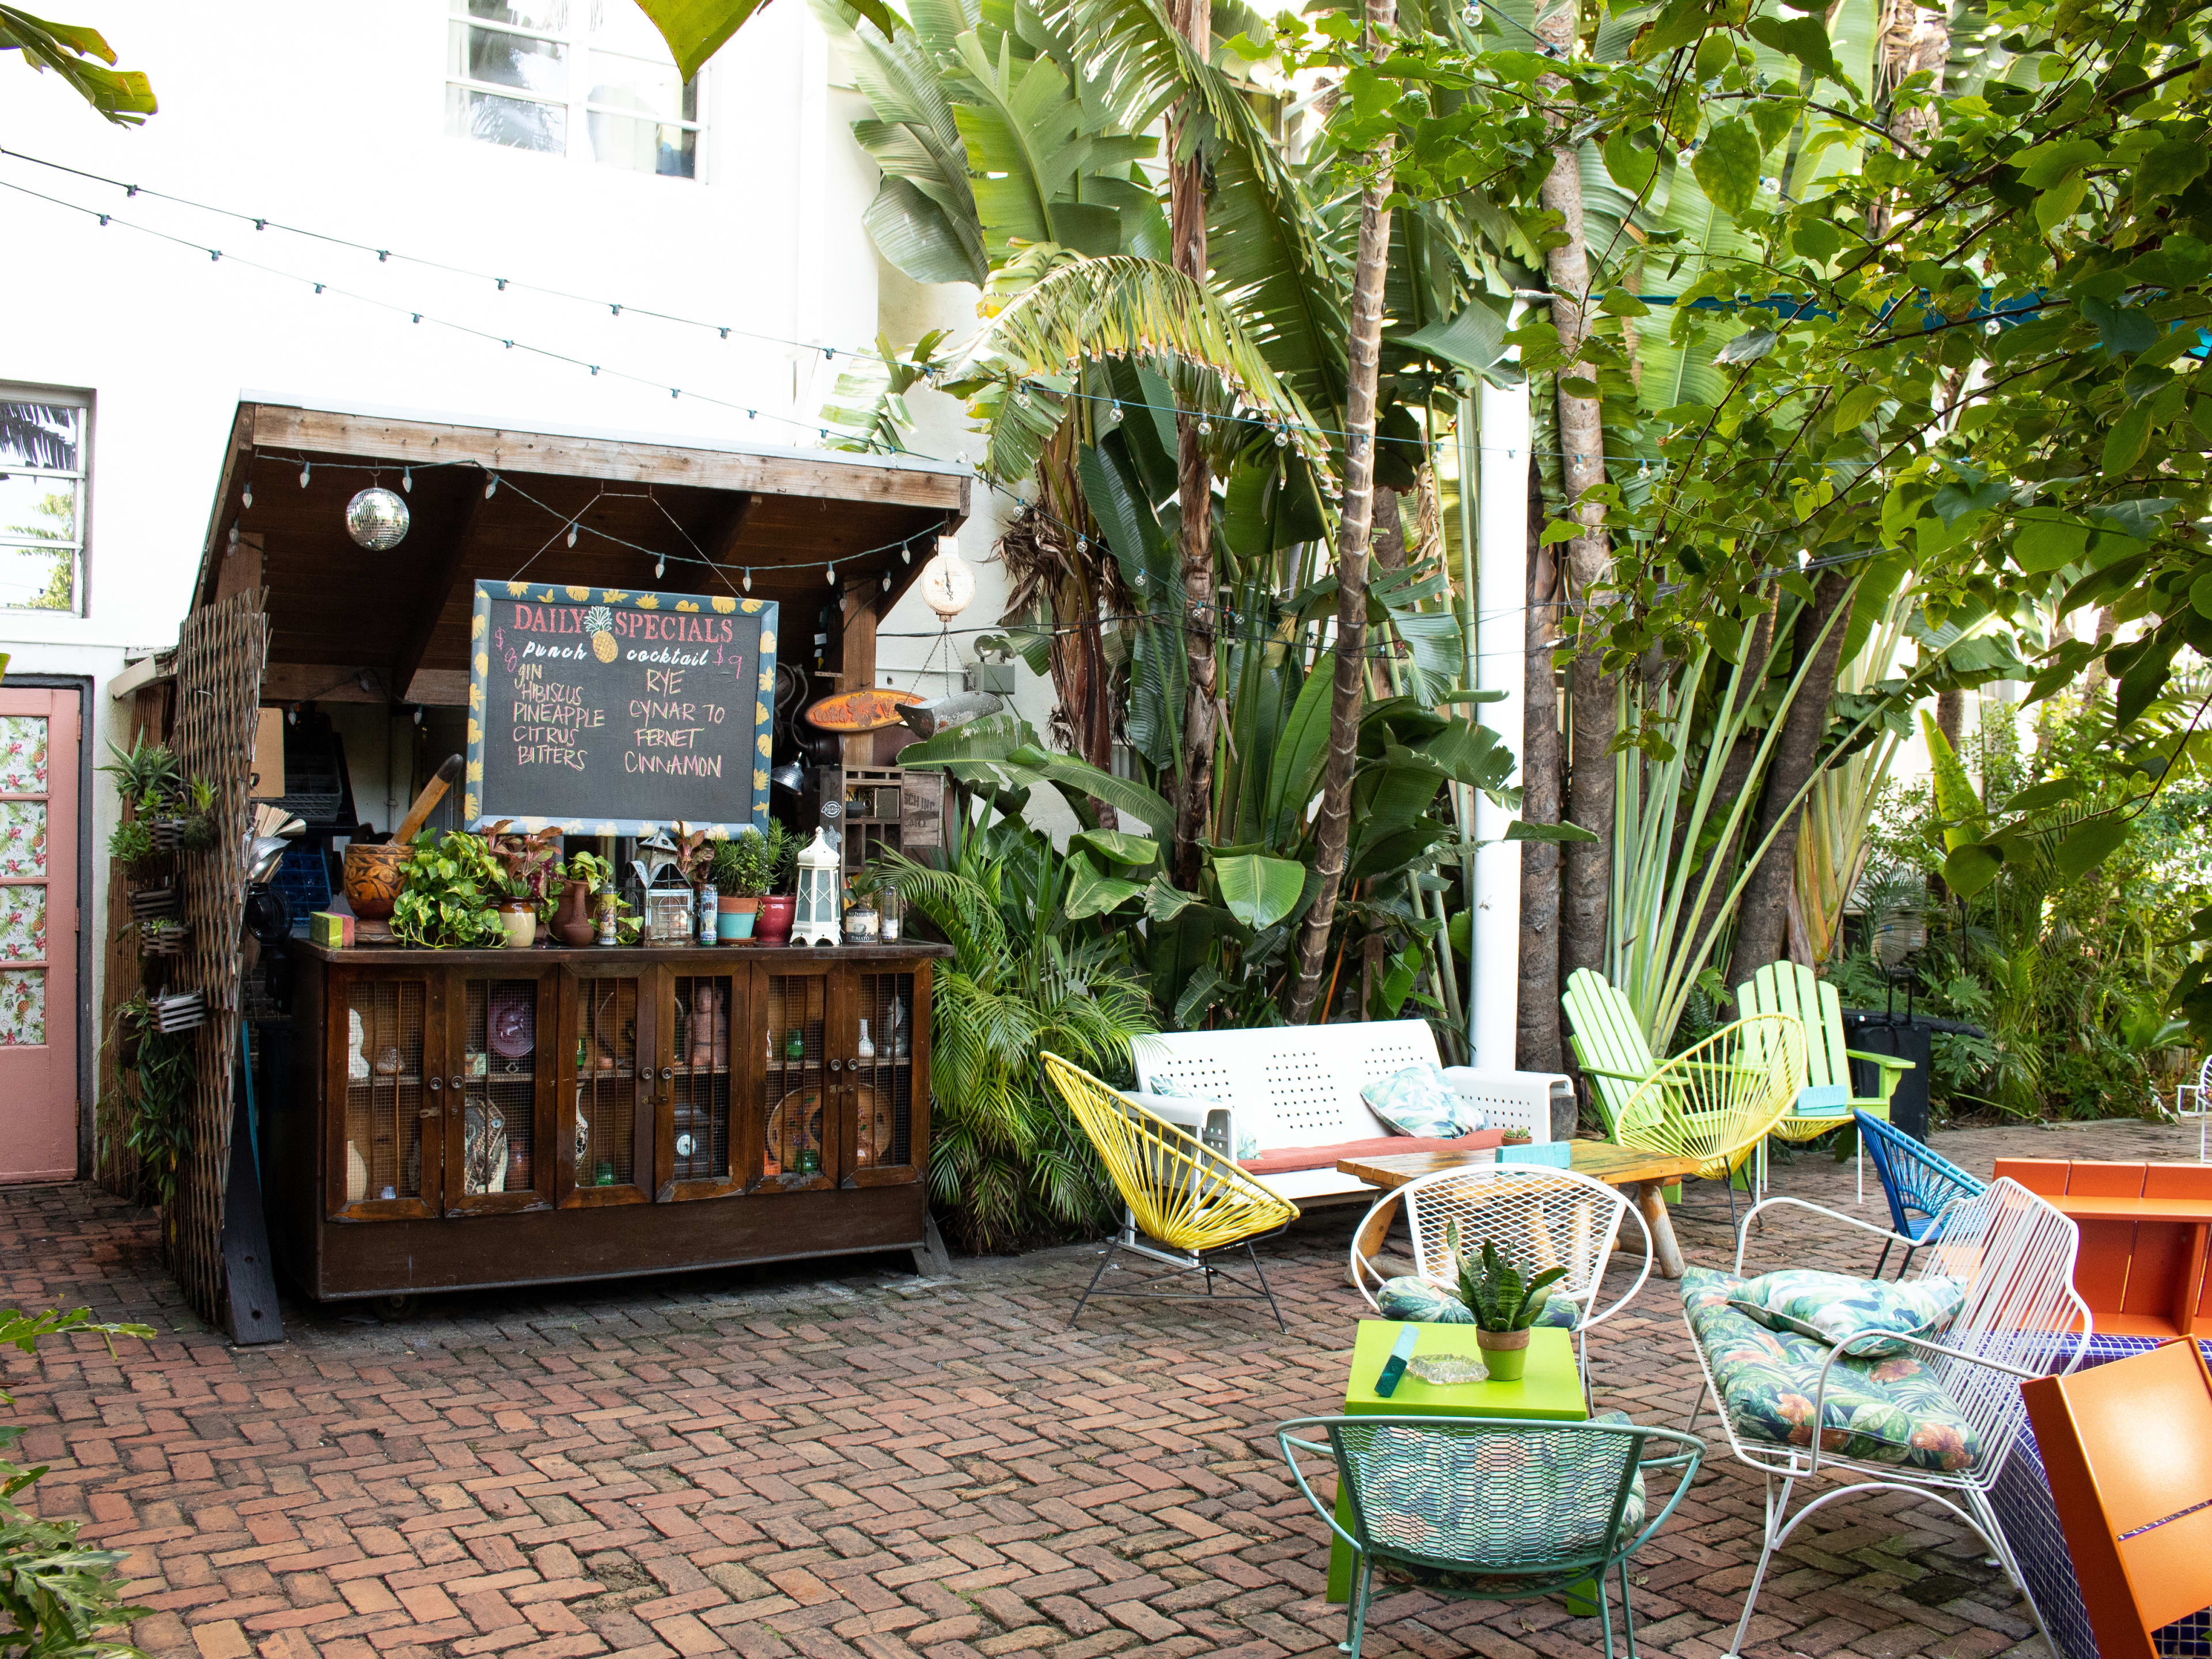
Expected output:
(1491, 1508)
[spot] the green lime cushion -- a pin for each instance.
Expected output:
(1884, 1409)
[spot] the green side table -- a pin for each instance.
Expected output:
(1549, 1386)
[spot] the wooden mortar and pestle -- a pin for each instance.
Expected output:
(374, 875)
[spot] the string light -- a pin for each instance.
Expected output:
(572, 532)
(491, 483)
(830, 574)
(906, 553)
(887, 581)
(749, 581)
(1282, 437)
(247, 495)
(407, 479)
(660, 567)
(1204, 428)
(305, 469)
(1114, 414)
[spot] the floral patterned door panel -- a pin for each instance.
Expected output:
(38, 935)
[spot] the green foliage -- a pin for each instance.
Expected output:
(130, 844)
(81, 57)
(147, 775)
(157, 1071)
(452, 884)
(1494, 1290)
(57, 1596)
(1007, 1165)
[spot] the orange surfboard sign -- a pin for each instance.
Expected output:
(861, 711)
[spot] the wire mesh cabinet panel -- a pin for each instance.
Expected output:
(502, 1043)
(793, 1038)
(603, 1133)
(385, 1060)
(886, 1090)
(700, 1142)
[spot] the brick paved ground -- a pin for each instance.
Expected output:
(860, 1462)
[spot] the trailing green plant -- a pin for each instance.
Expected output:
(57, 1596)
(453, 882)
(1007, 1165)
(130, 844)
(1495, 1292)
(157, 1069)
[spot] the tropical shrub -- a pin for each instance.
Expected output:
(1007, 1165)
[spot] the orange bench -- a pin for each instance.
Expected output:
(2145, 1229)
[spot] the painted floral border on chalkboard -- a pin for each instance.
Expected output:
(472, 811)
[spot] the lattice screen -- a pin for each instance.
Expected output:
(114, 1165)
(220, 654)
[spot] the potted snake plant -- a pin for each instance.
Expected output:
(1504, 1305)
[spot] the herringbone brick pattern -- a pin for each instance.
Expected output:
(851, 1460)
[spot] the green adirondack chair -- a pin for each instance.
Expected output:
(1824, 1099)
(1609, 1045)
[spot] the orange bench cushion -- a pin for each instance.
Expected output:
(1288, 1160)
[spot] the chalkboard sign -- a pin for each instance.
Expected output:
(611, 712)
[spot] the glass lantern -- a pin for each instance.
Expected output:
(818, 920)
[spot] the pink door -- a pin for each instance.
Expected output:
(38, 935)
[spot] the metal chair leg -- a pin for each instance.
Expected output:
(1882, 1260)
(1362, 1590)
(1259, 1273)
(1105, 1256)
(1774, 1509)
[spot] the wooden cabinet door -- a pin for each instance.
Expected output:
(387, 1092)
(703, 1148)
(793, 1099)
(887, 1112)
(602, 1133)
(501, 1037)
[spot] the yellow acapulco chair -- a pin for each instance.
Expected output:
(1191, 1202)
(1716, 1100)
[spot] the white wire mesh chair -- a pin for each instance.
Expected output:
(2199, 1097)
(2020, 1318)
(1538, 1216)
(1492, 1508)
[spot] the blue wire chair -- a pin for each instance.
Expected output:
(1920, 1184)
(1492, 1508)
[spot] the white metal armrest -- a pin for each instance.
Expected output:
(1743, 1236)
(1626, 1296)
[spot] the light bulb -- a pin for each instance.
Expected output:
(1082, 543)
(749, 581)
(1205, 428)
(887, 581)
(1993, 327)
(1114, 414)
(830, 576)
(1282, 437)
(660, 566)
(906, 554)
(247, 498)
(232, 548)
(305, 469)
(491, 485)
(407, 479)
(1022, 395)
(572, 532)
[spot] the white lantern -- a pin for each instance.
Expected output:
(816, 921)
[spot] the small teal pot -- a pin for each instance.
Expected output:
(730, 926)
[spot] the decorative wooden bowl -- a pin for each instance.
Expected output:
(374, 877)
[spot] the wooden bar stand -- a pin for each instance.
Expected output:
(466, 1119)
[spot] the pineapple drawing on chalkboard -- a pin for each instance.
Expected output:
(599, 623)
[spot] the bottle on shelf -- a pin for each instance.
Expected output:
(865, 1049)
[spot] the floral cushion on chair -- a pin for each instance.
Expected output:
(1418, 1302)
(1534, 1500)
(1833, 1308)
(1419, 1101)
(1884, 1409)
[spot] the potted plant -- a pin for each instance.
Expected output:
(131, 845)
(518, 916)
(695, 862)
(778, 902)
(569, 896)
(453, 883)
(200, 831)
(146, 774)
(1504, 1305)
(160, 936)
(861, 889)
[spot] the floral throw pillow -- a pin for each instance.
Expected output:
(1833, 1308)
(1418, 1101)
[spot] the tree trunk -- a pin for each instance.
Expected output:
(1763, 914)
(1536, 1039)
(1194, 19)
(1332, 832)
(1951, 717)
(1589, 556)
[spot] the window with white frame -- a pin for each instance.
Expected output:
(43, 434)
(589, 79)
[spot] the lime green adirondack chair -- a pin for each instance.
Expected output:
(1609, 1045)
(1824, 1100)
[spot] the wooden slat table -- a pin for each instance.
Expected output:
(1643, 1176)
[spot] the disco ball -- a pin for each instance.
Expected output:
(377, 518)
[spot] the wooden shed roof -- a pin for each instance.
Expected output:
(347, 624)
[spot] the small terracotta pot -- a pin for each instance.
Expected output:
(776, 911)
(374, 877)
(1504, 1352)
(519, 918)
